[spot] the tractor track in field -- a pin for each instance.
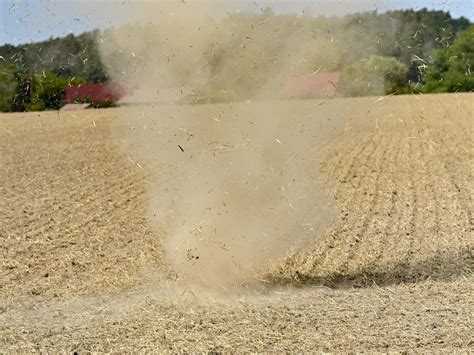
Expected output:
(82, 268)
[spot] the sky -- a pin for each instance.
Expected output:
(25, 21)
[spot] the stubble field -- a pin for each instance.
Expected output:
(83, 268)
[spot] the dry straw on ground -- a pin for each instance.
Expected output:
(83, 268)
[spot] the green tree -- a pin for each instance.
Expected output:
(20, 90)
(8, 86)
(375, 76)
(23, 94)
(451, 68)
(49, 91)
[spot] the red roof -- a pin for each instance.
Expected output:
(322, 84)
(95, 92)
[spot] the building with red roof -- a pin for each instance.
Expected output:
(322, 84)
(96, 93)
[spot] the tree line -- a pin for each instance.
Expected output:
(396, 52)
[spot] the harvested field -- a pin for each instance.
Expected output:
(84, 269)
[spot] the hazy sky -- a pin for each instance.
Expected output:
(23, 21)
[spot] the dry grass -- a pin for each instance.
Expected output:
(83, 269)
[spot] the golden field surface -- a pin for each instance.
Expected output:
(82, 268)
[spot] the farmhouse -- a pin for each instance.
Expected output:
(322, 84)
(94, 93)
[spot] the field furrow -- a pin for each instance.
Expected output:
(83, 263)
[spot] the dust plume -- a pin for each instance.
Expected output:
(234, 185)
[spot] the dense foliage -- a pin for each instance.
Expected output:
(451, 67)
(373, 76)
(397, 51)
(21, 90)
